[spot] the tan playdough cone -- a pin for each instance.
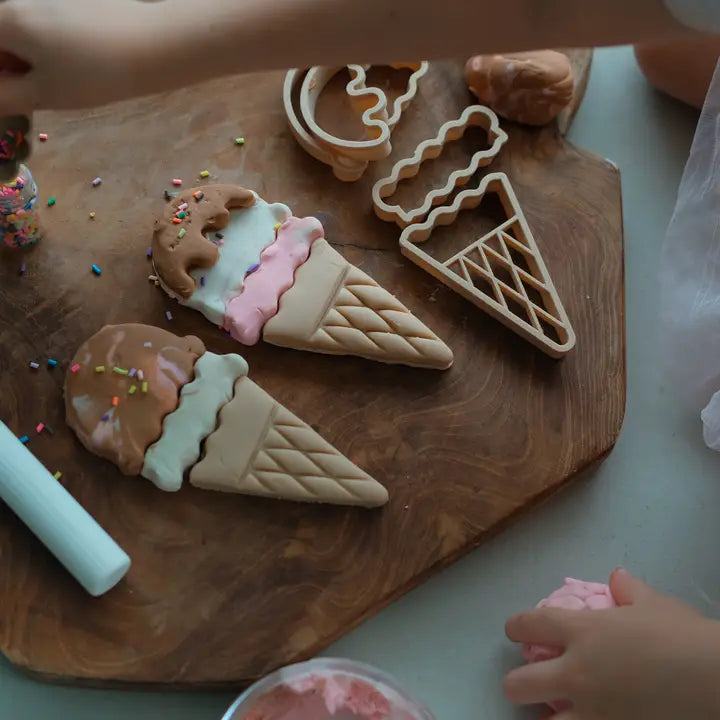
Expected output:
(335, 308)
(261, 448)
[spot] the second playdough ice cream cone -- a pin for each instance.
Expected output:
(159, 405)
(257, 272)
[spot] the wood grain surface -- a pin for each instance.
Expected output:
(225, 588)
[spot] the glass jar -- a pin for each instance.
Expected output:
(326, 689)
(18, 214)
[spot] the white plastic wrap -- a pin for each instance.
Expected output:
(691, 275)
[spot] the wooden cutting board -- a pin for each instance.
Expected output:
(225, 588)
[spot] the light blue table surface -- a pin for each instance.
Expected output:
(653, 506)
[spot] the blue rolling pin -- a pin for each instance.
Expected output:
(58, 520)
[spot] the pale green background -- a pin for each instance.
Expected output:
(653, 506)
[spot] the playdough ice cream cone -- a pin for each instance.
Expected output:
(149, 401)
(257, 272)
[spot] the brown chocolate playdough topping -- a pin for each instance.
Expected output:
(175, 256)
(135, 422)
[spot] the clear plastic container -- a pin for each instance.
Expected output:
(327, 689)
(18, 214)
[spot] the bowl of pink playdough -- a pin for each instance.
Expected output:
(327, 689)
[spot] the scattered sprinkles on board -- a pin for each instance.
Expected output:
(149, 252)
(51, 201)
(96, 269)
(42, 137)
(177, 182)
(34, 365)
(23, 268)
(115, 401)
(75, 368)
(168, 315)
(57, 475)
(24, 439)
(92, 215)
(52, 362)
(96, 181)
(239, 140)
(145, 387)
(105, 417)
(39, 428)
(99, 368)
(199, 195)
(205, 174)
(181, 233)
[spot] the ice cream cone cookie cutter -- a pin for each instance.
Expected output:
(344, 169)
(523, 297)
(473, 116)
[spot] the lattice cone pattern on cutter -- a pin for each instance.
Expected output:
(473, 116)
(261, 448)
(335, 308)
(348, 158)
(544, 324)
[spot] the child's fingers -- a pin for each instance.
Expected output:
(565, 715)
(627, 589)
(540, 682)
(546, 626)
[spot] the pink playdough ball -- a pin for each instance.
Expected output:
(573, 595)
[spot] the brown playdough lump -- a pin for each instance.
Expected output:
(121, 430)
(176, 252)
(525, 87)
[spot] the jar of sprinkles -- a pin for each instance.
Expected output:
(18, 215)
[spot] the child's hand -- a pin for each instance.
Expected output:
(80, 52)
(653, 657)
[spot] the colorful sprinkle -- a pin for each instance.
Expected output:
(23, 268)
(205, 174)
(42, 137)
(239, 140)
(39, 428)
(115, 401)
(132, 373)
(199, 195)
(51, 201)
(183, 206)
(181, 233)
(181, 215)
(120, 371)
(140, 375)
(152, 278)
(34, 365)
(96, 181)
(145, 386)
(57, 475)
(147, 344)
(132, 389)
(92, 215)
(75, 368)
(99, 368)
(105, 417)
(149, 252)
(96, 269)
(52, 362)
(24, 439)
(177, 182)
(168, 315)
(202, 281)
(253, 268)
(177, 221)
